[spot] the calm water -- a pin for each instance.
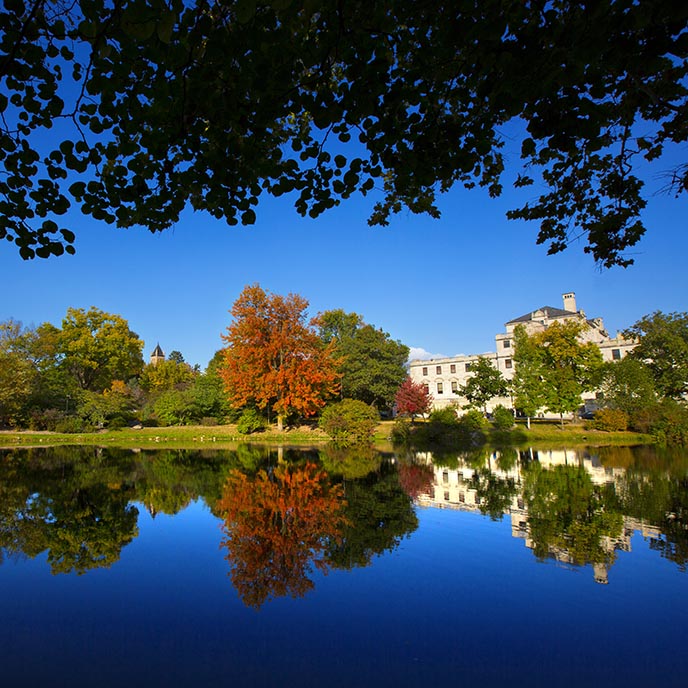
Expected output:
(288, 568)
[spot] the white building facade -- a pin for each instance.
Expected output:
(444, 377)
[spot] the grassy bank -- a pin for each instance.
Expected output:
(226, 436)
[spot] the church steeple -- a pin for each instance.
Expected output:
(157, 355)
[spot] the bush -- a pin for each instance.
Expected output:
(72, 424)
(401, 431)
(446, 416)
(610, 420)
(502, 419)
(349, 422)
(473, 421)
(250, 421)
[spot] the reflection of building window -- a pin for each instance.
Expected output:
(445, 477)
(425, 371)
(616, 354)
(440, 389)
(455, 386)
(452, 368)
(468, 367)
(507, 344)
(507, 363)
(438, 370)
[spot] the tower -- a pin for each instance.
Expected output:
(157, 355)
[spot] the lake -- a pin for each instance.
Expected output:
(322, 567)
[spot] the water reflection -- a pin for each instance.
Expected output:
(578, 507)
(287, 513)
(278, 524)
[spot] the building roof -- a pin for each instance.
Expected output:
(158, 351)
(548, 311)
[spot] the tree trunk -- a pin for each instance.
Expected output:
(528, 422)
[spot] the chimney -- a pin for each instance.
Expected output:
(570, 302)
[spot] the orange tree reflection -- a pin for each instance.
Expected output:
(277, 526)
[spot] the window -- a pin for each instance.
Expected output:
(445, 476)
(507, 363)
(426, 387)
(616, 354)
(440, 388)
(468, 367)
(455, 387)
(446, 496)
(462, 497)
(507, 344)
(425, 371)
(452, 368)
(438, 370)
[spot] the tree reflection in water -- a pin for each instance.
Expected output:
(278, 525)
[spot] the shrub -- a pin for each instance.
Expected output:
(502, 419)
(473, 421)
(72, 424)
(250, 421)
(401, 431)
(610, 420)
(349, 421)
(446, 416)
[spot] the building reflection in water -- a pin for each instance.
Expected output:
(463, 488)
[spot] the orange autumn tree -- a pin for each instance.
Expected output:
(277, 526)
(274, 357)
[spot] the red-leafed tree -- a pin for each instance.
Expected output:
(274, 357)
(412, 398)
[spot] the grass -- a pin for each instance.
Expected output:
(226, 436)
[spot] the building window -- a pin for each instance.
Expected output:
(507, 363)
(507, 344)
(468, 367)
(462, 497)
(425, 371)
(445, 476)
(426, 387)
(452, 368)
(438, 370)
(455, 386)
(616, 354)
(446, 496)
(440, 388)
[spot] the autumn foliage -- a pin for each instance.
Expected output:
(274, 357)
(412, 398)
(277, 526)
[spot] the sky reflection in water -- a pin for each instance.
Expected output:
(452, 598)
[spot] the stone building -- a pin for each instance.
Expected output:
(444, 377)
(157, 355)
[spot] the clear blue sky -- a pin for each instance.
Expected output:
(445, 286)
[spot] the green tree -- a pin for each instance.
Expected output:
(16, 374)
(484, 384)
(164, 375)
(569, 367)
(176, 356)
(663, 347)
(627, 385)
(164, 104)
(373, 365)
(98, 347)
(527, 384)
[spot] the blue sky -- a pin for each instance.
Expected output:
(445, 286)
